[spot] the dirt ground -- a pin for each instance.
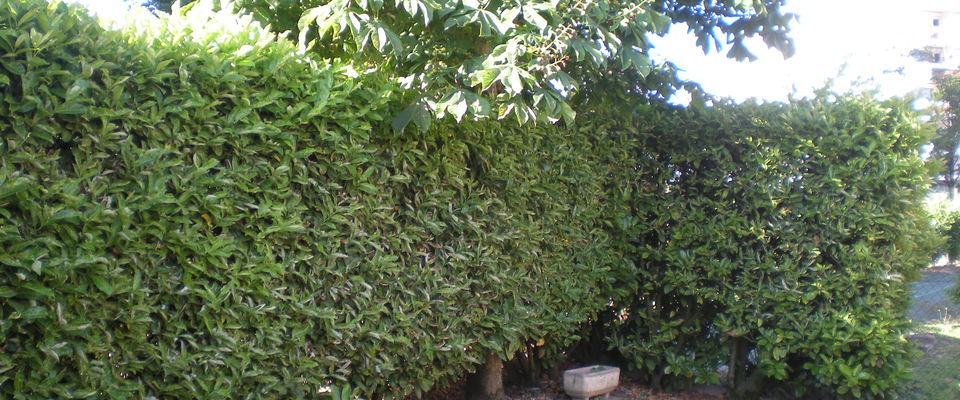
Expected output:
(552, 389)
(626, 391)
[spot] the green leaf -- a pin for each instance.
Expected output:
(458, 108)
(71, 109)
(661, 22)
(402, 119)
(454, 103)
(490, 24)
(41, 291)
(585, 50)
(320, 15)
(631, 58)
(102, 284)
(531, 15)
(414, 7)
(510, 78)
(569, 116)
(485, 77)
(422, 117)
(417, 113)
(35, 312)
(65, 216)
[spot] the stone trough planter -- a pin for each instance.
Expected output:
(595, 380)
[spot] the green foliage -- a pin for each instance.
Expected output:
(517, 59)
(338, 392)
(946, 143)
(778, 240)
(955, 291)
(947, 225)
(946, 220)
(192, 209)
(159, 5)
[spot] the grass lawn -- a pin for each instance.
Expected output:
(937, 371)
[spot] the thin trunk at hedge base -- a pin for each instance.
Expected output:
(487, 382)
(529, 364)
(744, 381)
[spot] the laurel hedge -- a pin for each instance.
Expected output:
(777, 242)
(192, 208)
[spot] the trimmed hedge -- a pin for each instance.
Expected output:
(778, 240)
(192, 209)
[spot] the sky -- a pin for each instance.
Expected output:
(845, 40)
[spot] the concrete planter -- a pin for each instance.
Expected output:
(586, 382)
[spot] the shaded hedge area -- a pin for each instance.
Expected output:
(190, 208)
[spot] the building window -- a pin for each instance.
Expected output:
(936, 22)
(930, 54)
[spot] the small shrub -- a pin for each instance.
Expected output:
(947, 223)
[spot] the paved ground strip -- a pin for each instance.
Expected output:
(931, 301)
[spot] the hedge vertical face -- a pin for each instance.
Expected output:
(192, 210)
(791, 229)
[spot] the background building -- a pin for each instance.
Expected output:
(939, 48)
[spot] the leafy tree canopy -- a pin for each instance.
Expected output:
(946, 142)
(525, 59)
(162, 5)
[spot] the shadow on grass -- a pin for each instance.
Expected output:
(936, 372)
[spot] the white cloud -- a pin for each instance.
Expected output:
(110, 9)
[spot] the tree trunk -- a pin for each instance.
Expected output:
(951, 175)
(531, 365)
(745, 382)
(734, 364)
(487, 382)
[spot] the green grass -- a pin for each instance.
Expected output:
(936, 372)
